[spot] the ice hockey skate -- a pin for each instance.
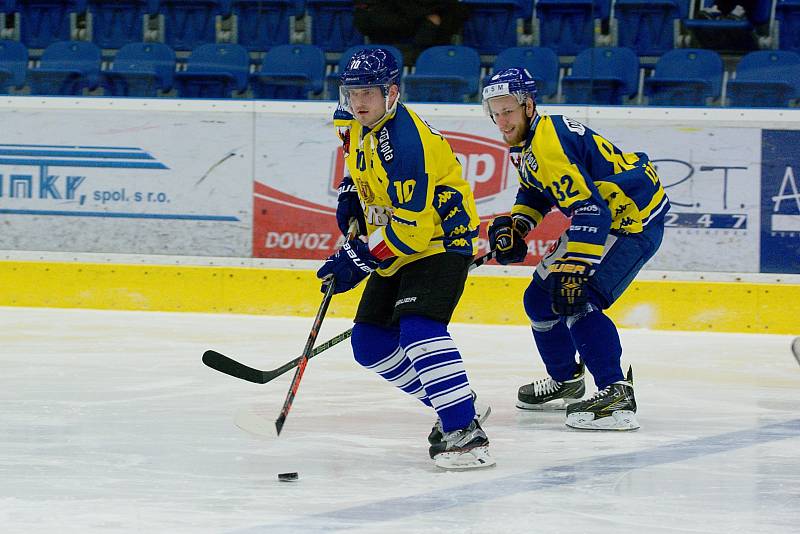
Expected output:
(547, 394)
(482, 412)
(611, 408)
(466, 448)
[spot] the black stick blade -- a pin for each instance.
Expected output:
(279, 423)
(231, 367)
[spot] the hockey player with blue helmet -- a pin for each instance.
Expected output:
(617, 205)
(421, 232)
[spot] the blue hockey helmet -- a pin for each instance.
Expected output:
(512, 81)
(371, 66)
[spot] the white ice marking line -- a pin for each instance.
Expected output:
(564, 475)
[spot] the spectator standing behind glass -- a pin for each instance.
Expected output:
(411, 26)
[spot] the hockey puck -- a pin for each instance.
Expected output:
(288, 477)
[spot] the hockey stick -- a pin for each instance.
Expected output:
(231, 367)
(236, 369)
(301, 365)
(796, 349)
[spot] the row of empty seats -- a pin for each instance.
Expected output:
(603, 75)
(649, 27)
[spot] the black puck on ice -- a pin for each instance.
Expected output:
(288, 477)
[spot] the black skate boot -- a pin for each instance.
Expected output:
(482, 412)
(466, 448)
(611, 408)
(547, 394)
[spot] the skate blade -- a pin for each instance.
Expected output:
(476, 458)
(618, 420)
(549, 406)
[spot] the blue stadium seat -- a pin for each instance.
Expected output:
(332, 79)
(214, 71)
(290, 72)
(647, 26)
(685, 77)
(43, 22)
(568, 26)
(541, 62)
(491, 25)
(190, 23)
(116, 23)
(332, 27)
(602, 75)
(766, 78)
(298, 8)
(66, 68)
(444, 74)
(262, 24)
(787, 13)
(13, 65)
(141, 70)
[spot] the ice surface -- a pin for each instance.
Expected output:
(110, 423)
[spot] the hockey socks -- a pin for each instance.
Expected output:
(378, 349)
(597, 341)
(440, 369)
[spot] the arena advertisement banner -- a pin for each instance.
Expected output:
(126, 181)
(780, 202)
(710, 174)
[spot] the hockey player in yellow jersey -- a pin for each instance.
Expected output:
(421, 227)
(617, 205)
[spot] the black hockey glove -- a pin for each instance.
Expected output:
(567, 284)
(507, 238)
(349, 266)
(349, 207)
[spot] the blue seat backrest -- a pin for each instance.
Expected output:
(262, 24)
(648, 27)
(692, 63)
(43, 22)
(771, 65)
(541, 62)
(787, 12)
(298, 58)
(189, 23)
(230, 58)
(491, 25)
(118, 22)
(609, 62)
(157, 58)
(451, 60)
(566, 26)
(332, 26)
(14, 58)
(74, 55)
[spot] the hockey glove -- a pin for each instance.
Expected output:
(349, 266)
(349, 207)
(567, 283)
(507, 238)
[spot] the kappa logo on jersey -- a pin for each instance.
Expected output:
(484, 162)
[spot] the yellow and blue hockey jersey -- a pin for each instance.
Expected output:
(566, 165)
(410, 185)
